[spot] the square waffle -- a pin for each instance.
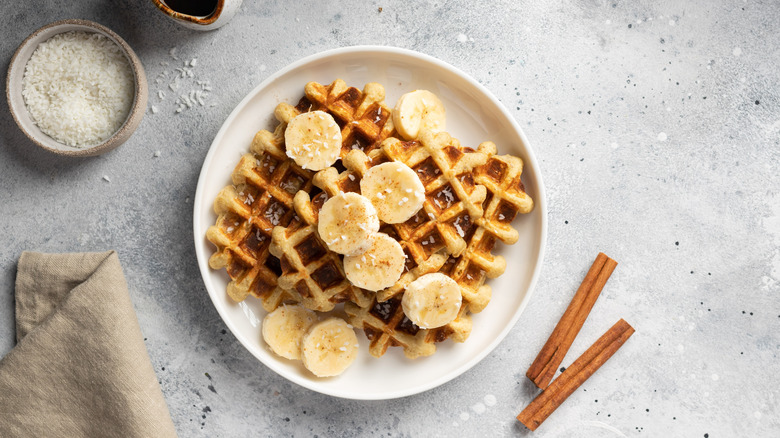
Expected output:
(265, 181)
(506, 197)
(260, 198)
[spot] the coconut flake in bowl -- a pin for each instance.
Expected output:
(78, 87)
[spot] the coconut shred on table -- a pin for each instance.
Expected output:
(188, 90)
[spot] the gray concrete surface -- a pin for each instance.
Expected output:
(657, 127)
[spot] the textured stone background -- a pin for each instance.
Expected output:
(657, 127)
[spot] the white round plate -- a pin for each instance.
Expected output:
(473, 115)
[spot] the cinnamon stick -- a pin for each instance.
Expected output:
(551, 355)
(574, 376)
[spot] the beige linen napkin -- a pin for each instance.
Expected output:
(80, 367)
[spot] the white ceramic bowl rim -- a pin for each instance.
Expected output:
(539, 203)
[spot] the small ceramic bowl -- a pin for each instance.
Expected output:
(14, 85)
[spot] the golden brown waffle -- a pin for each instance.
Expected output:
(264, 185)
(501, 176)
(309, 269)
(260, 198)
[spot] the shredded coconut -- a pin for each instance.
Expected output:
(274, 213)
(78, 88)
(458, 228)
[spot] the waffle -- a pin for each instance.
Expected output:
(309, 269)
(265, 181)
(260, 198)
(501, 176)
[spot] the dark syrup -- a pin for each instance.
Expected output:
(197, 8)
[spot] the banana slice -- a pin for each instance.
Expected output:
(284, 328)
(379, 267)
(431, 301)
(395, 190)
(346, 223)
(329, 347)
(313, 140)
(417, 111)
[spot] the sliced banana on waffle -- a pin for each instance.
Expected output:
(313, 140)
(329, 347)
(431, 301)
(284, 328)
(379, 267)
(346, 223)
(395, 190)
(416, 111)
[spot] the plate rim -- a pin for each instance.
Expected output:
(539, 203)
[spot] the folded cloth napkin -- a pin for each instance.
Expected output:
(80, 367)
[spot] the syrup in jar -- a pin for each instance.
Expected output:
(196, 8)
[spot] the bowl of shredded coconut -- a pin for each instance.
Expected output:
(76, 88)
